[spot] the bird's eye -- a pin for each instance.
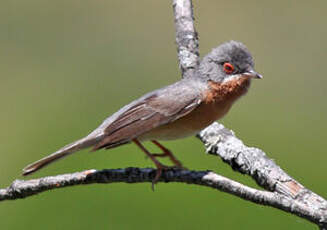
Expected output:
(228, 68)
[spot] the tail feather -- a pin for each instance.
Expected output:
(65, 151)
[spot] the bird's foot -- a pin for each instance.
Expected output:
(167, 153)
(160, 167)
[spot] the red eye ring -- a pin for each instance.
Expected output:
(228, 68)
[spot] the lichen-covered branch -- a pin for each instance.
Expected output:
(222, 142)
(22, 189)
(284, 192)
(186, 37)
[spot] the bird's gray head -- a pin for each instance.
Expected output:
(228, 61)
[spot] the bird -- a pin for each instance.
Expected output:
(176, 111)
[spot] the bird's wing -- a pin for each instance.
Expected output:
(152, 110)
(158, 108)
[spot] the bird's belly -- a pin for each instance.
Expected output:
(190, 124)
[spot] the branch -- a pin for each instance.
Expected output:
(22, 189)
(222, 142)
(283, 193)
(186, 37)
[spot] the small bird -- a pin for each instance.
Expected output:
(175, 111)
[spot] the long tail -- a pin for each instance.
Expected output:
(65, 151)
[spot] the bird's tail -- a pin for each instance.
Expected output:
(65, 151)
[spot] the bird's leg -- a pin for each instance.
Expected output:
(159, 166)
(167, 153)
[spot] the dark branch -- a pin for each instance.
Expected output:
(22, 189)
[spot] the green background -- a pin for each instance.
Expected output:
(66, 65)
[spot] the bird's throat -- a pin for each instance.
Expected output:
(228, 91)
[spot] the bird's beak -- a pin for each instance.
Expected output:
(253, 74)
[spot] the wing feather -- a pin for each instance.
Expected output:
(149, 113)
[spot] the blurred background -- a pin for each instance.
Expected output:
(66, 65)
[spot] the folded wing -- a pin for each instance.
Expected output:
(157, 109)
